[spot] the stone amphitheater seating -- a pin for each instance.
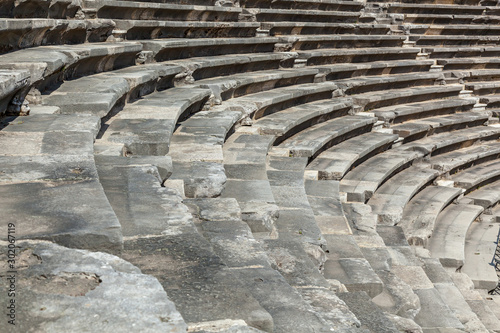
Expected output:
(252, 166)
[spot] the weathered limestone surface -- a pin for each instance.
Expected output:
(272, 166)
(58, 174)
(61, 288)
(448, 241)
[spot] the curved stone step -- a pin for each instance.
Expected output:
(464, 26)
(132, 10)
(375, 100)
(145, 127)
(51, 64)
(468, 63)
(435, 9)
(336, 161)
(420, 214)
(446, 40)
(303, 29)
(460, 51)
(49, 171)
(238, 85)
(79, 283)
(392, 197)
(288, 122)
(198, 68)
(152, 29)
(461, 158)
(180, 48)
(436, 2)
(480, 246)
(344, 71)
(40, 8)
(313, 140)
(483, 88)
(428, 126)
(364, 84)
(448, 239)
(23, 33)
(331, 56)
(363, 181)
(405, 112)
(112, 88)
(443, 19)
(318, 41)
(486, 196)
(277, 15)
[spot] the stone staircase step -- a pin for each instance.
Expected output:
(238, 85)
(478, 175)
(330, 5)
(181, 48)
(363, 181)
(113, 88)
(161, 11)
(423, 127)
(435, 312)
(11, 82)
(448, 238)
(461, 158)
(310, 15)
(448, 141)
(374, 100)
(323, 41)
(137, 29)
(145, 127)
(77, 284)
(31, 32)
(350, 70)
(312, 141)
(46, 63)
(50, 174)
(245, 164)
(323, 28)
(391, 198)
(448, 40)
(336, 161)
(371, 317)
(331, 56)
(420, 214)
(486, 196)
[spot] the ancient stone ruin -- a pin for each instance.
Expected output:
(280, 166)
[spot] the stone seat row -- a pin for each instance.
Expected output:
(23, 33)
(441, 19)
(335, 271)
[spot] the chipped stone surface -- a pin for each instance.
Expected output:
(64, 290)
